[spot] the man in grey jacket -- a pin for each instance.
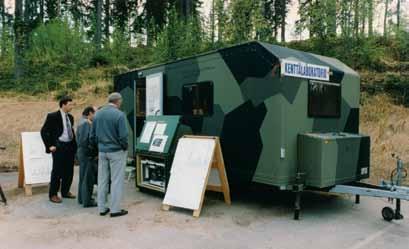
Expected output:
(110, 133)
(87, 159)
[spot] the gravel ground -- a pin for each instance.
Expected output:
(258, 218)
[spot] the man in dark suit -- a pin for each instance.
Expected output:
(59, 140)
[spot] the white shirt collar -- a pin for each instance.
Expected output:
(62, 112)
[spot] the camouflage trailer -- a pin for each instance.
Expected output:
(285, 118)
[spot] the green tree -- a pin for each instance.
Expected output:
(371, 6)
(221, 19)
(98, 24)
(188, 41)
(240, 23)
(107, 19)
(19, 39)
(121, 14)
(385, 18)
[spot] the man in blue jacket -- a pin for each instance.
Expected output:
(110, 134)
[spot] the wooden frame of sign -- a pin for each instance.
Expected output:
(3, 196)
(28, 188)
(217, 163)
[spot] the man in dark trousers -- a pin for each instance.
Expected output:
(87, 158)
(59, 140)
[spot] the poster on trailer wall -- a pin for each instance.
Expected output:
(154, 94)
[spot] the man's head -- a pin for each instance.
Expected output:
(66, 104)
(115, 98)
(89, 112)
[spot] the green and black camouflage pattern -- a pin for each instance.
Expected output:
(256, 111)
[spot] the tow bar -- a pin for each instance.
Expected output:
(391, 189)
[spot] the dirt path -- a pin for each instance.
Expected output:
(258, 219)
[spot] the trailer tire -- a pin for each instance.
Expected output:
(388, 214)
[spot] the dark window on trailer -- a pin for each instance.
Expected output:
(140, 97)
(198, 99)
(140, 101)
(324, 99)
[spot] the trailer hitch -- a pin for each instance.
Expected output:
(397, 176)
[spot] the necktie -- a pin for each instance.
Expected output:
(69, 129)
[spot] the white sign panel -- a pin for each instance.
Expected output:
(190, 167)
(160, 129)
(154, 94)
(147, 132)
(37, 163)
(304, 70)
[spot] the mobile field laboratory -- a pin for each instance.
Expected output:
(285, 118)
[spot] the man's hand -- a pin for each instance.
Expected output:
(53, 148)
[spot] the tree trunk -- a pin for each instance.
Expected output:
(185, 8)
(3, 14)
(212, 23)
(19, 39)
(283, 15)
(107, 19)
(385, 18)
(370, 17)
(356, 18)
(41, 11)
(398, 15)
(220, 14)
(332, 18)
(363, 17)
(58, 8)
(98, 25)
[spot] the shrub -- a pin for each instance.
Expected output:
(56, 52)
(73, 85)
(100, 59)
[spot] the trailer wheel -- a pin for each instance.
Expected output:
(388, 214)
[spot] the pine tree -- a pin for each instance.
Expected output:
(107, 19)
(398, 13)
(154, 17)
(52, 8)
(221, 18)
(121, 15)
(370, 16)
(385, 18)
(282, 12)
(98, 24)
(19, 39)
(77, 11)
(186, 8)
(3, 13)
(356, 17)
(212, 21)
(240, 24)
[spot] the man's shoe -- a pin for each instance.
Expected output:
(55, 199)
(105, 212)
(122, 213)
(69, 195)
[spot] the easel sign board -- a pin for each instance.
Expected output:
(35, 164)
(195, 159)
